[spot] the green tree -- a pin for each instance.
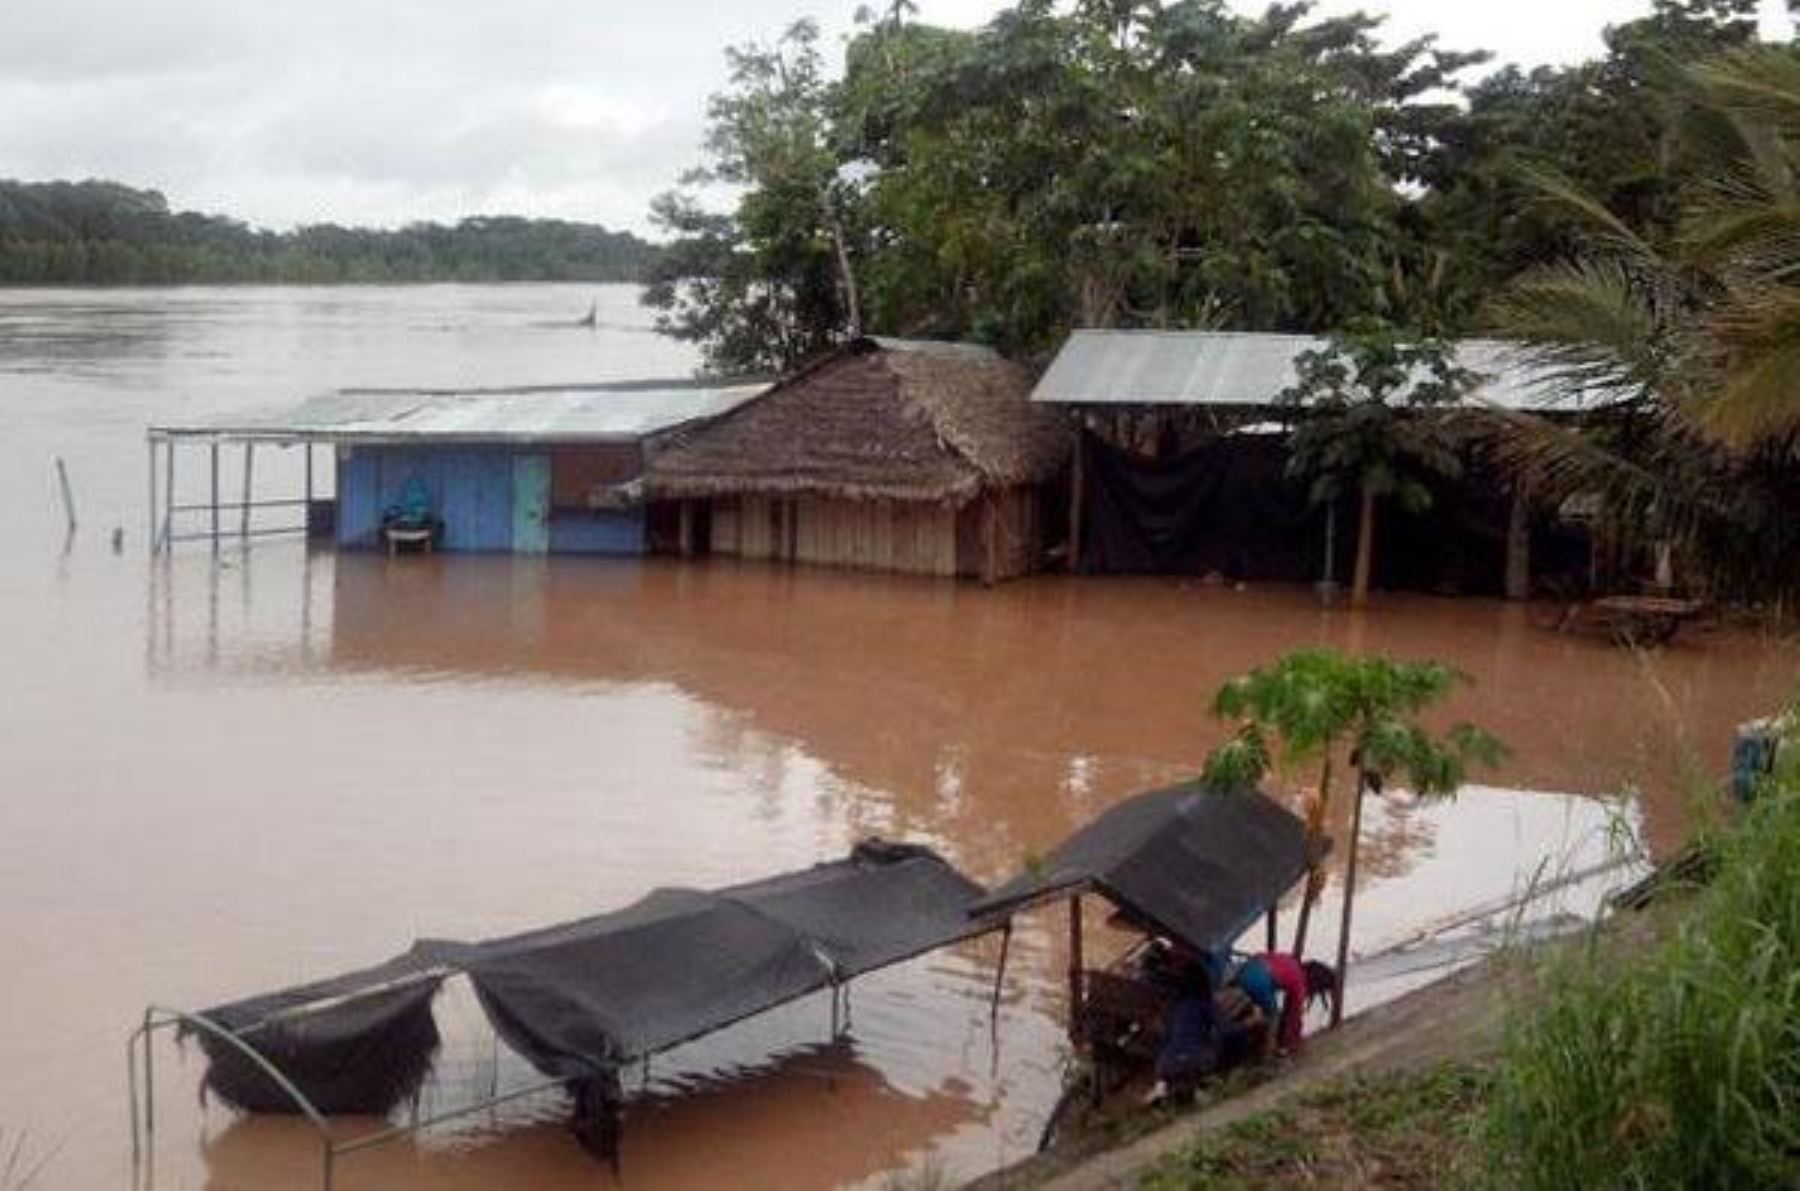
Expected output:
(1368, 425)
(774, 282)
(1310, 705)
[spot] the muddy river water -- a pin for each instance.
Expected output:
(222, 776)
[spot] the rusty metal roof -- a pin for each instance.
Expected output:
(1232, 368)
(558, 414)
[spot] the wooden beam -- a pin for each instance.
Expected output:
(1077, 484)
(1518, 544)
(990, 539)
(1075, 966)
(686, 537)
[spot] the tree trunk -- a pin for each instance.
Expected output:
(846, 274)
(1343, 953)
(1315, 839)
(1365, 551)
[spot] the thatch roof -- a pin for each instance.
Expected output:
(878, 419)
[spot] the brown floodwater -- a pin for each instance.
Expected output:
(220, 776)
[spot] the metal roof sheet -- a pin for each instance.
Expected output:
(1231, 368)
(562, 414)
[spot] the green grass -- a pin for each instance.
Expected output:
(1396, 1131)
(1679, 1067)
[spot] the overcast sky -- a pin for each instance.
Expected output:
(385, 111)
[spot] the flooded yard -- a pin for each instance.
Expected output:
(223, 776)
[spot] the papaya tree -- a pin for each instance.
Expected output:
(1366, 426)
(1317, 706)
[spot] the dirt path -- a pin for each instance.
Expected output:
(1457, 1018)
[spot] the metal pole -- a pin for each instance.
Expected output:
(249, 469)
(309, 488)
(151, 538)
(215, 496)
(168, 493)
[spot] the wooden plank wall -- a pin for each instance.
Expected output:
(910, 538)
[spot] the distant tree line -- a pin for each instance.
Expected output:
(104, 233)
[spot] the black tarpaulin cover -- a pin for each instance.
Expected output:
(1196, 864)
(1227, 506)
(581, 998)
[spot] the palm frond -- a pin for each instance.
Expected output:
(1761, 82)
(1592, 328)
(1560, 194)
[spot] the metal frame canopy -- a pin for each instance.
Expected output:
(578, 1000)
(542, 415)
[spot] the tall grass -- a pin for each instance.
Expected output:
(1680, 1066)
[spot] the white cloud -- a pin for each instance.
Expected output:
(385, 111)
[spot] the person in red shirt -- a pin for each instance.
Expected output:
(1300, 984)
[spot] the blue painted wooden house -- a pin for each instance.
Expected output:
(528, 471)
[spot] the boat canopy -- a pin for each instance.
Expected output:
(579, 1000)
(1193, 863)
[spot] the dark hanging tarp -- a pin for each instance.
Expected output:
(1225, 506)
(1196, 864)
(579, 999)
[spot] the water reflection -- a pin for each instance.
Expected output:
(820, 1117)
(990, 720)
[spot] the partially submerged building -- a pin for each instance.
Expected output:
(526, 470)
(1178, 464)
(893, 455)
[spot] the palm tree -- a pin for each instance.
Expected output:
(1315, 702)
(1689, 347)
(1367, 424)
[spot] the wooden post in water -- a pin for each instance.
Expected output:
(68, 494)
(990, 540)
(1518, 543)
(1076, 485)
(1075, 965)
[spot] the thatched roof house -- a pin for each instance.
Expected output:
(892, 454)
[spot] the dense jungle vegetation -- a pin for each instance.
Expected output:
(1633, 219)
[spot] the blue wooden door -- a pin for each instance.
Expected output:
(531, 504)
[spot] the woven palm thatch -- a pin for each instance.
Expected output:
(878, 419)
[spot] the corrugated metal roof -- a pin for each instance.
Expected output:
(1240, 369)
(563, 414)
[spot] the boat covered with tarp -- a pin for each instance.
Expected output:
(582, 999)
(1189, 868)
(1193, 863)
